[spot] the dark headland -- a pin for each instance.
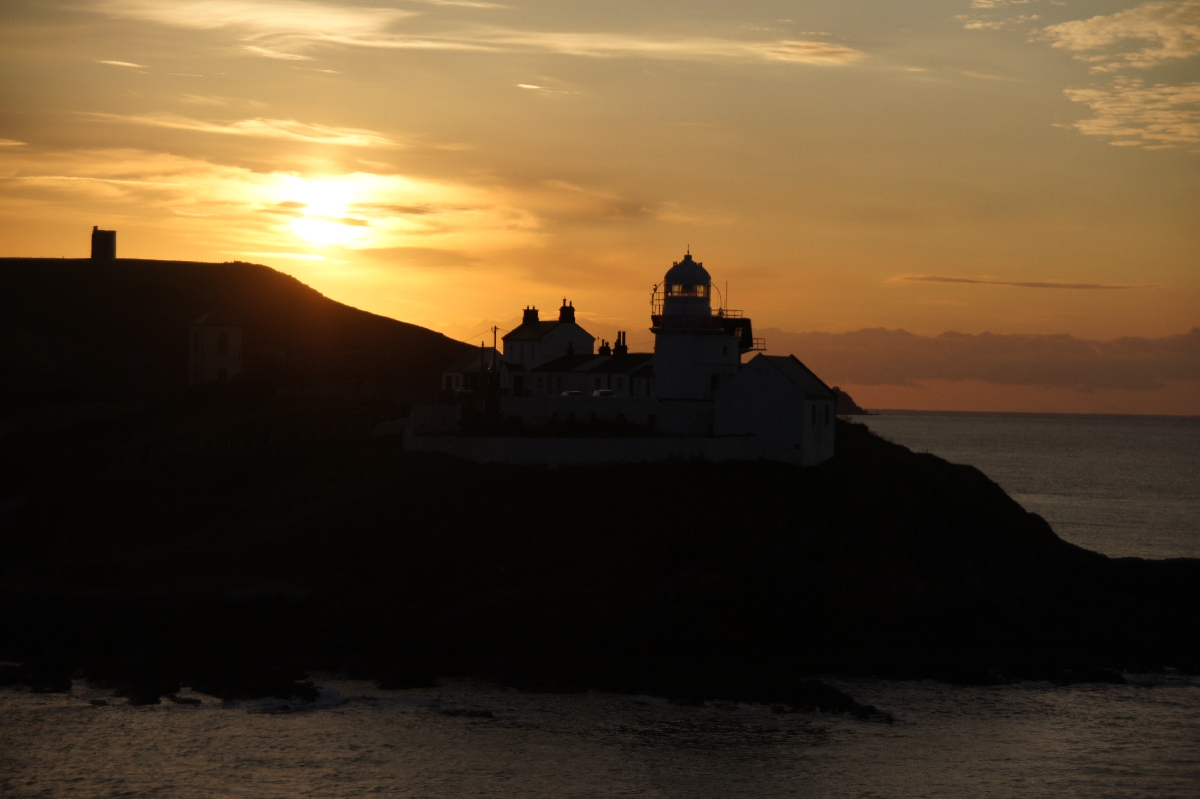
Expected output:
(236, 538)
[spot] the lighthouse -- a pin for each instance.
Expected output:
(695, 350)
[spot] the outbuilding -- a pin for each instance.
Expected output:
(778, 399)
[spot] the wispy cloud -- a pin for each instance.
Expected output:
(295, 24)
(897, 357)
(121, 64)
(267, 52)
(998, 3)
(261, 17)
(1134, 114)
(11, 143)
(994, 24)
(260, 128)
(1160, 32)
(1025, 284)
(614, 45)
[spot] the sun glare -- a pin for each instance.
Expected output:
(321, 209)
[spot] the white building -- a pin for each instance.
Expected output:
(692, 397)
(214, 349)
(781, 402)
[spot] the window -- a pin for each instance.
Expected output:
(223, 343)
(716, 381)
(725, 350)
(221, 373)
(685, 290)
(620, 382)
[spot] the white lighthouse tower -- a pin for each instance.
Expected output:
(695, 350)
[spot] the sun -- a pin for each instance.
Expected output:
(321, 210)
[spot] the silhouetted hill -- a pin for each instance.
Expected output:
(77, 329)
(846, 406)
(239, 566)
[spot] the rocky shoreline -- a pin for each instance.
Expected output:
(238, 574)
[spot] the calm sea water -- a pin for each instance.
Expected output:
(1120, 485)
(1019, 740)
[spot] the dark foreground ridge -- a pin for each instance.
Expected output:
(240, 567)
(78, 330)
(236, 537)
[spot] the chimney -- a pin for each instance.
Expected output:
(604, 348)
(621, 348)
(567, 312)
(104, 244)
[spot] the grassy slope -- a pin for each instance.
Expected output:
(75, 329)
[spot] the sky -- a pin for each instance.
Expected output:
(953, 204)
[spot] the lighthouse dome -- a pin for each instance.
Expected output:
(686, 290)
(687, 273)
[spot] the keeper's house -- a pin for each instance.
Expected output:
(559, 400)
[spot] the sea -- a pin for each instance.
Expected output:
(1124, 485)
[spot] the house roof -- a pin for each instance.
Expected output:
(568, 363)
(803, 377)
(532, 331)
(470, 361)
(622, 364)
(216, 318)
(645, 371)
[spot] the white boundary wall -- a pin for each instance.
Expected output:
(566, 451)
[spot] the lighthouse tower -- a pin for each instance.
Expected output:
(695, 350)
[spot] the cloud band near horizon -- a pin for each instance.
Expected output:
(896, 357)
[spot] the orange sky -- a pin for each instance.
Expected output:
(975, 166)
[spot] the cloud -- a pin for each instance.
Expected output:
(260, 128)
(11, 143)
(1033, 284)
(298, 24)
(998, 3)
(267, 52)
(269, 211)
(1165, 31)
(979, 24)
(608, 45)
(261, 17)
(1134, 114)
(121, 64)
(897, 357)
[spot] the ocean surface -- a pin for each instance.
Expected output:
(1127, 486)
(1120, 485)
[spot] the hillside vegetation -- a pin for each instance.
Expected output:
(83, 330)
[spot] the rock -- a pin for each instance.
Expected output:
(183, 700)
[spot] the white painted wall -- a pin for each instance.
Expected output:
(686, 360)
(214, 353)
(761, 401)
(554, 344)
(671, 418)
(566, 451)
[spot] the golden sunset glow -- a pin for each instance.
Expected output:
(1020, 169)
